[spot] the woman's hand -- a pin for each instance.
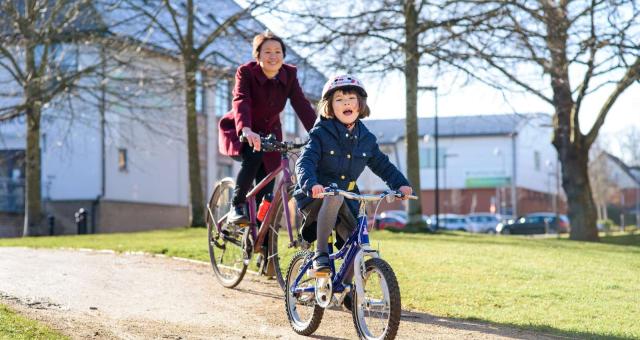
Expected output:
(316, 190)
(252, 138)
(405, 190)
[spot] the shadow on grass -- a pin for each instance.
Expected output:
(622, 240)
(508, 330)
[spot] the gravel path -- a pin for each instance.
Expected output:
(101, 295)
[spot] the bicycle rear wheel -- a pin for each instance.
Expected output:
(280, 252)
(376, 315)
(228, 248)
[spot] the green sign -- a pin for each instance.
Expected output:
(487, 182)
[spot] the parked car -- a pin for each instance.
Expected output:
(390, 222)
(395, 219)
(450, 222)
(536, 223)
(483, 222)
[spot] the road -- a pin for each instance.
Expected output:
(103, 295)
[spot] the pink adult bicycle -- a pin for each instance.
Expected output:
(232, 245)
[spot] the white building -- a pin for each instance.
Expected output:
(498, 163)
(131, 172)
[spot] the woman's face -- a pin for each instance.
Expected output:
(271, 57)
(345, 107)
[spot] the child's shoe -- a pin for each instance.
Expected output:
(321, 262)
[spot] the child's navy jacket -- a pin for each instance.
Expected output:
(335, 155)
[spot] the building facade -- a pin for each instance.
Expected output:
(127, 165)
(492, 163)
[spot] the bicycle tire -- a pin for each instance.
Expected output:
(363, 306)
(229, 270)
(303, 325)
(279, 250)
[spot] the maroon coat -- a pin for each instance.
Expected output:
(257, 103)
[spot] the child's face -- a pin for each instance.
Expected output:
(345, 106)
(271, 56)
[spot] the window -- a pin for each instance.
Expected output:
(222, 97)
(290, 123)
(428, 158)
(122, 159)
(224, 170)
(536, 160)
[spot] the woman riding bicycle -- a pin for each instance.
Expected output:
(339, 148)
(261, 91)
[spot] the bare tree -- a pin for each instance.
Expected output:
(36, 39)
(182, 27)
(561, 52)
(630, 145)
(599, 176)
(379, 37)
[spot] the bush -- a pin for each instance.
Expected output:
(605, 225)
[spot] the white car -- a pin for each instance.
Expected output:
(450, 222)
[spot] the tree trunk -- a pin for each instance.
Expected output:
(411, 81)
(572, 149)
(575, 181)
(195, 182)
(33, 213)
(190, 68)
(33, 196)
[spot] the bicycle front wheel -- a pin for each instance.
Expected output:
(302, 311)
(227, 242)
(280, 251)
(376, 314)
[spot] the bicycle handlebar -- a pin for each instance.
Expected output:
(366, 197)
(270, 143)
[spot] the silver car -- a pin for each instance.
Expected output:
(483, 222)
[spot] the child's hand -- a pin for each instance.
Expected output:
(405, 190)
(316, 190)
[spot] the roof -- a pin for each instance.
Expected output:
(630, 171)
(118, 19)
(391, 130)
(227, 51)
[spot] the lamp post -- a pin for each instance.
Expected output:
(444, 174)
(434, 89)
(499, 196)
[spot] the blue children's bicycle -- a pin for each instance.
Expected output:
(374, 297)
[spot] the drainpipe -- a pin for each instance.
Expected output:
(395, 150)
(102, 108)
(514, 198)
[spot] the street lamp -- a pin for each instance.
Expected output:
(499, 194)
(444, 174)
(434, 89)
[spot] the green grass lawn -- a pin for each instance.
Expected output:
(14, 326)
(554, 285)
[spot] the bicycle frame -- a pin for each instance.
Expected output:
(280, 194)
(354, 249)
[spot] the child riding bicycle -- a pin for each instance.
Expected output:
(339, 148)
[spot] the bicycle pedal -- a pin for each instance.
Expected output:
(321, 273)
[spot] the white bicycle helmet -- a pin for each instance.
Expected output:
(340, 81)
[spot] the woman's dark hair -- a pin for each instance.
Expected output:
(325, 109)
(259, 39)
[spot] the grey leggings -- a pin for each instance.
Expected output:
(327, 217)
